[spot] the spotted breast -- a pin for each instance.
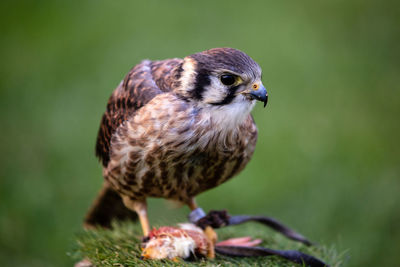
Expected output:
(174, 150)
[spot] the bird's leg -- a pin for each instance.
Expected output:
(192, 204)
(140, 207)
(209, 231)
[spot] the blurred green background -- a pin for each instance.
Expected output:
(327, 160)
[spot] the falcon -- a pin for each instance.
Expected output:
(175, 128)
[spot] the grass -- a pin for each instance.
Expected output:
(121, 247)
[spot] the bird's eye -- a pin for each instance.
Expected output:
(228, 79)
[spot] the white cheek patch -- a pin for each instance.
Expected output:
(188, 76)
(228, 117)
(215, 92)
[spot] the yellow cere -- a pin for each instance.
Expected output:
(256, 86)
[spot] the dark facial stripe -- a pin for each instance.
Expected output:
(202, 80)
(228, 98)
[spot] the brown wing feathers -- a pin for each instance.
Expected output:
(142, 84)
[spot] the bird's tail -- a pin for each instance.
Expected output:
(107, 207)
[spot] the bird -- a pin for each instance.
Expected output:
(177, 242)
(173, 129)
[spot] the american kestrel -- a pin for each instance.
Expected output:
(175, 128)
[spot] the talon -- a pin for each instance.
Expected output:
(212, 237)
(211, 234)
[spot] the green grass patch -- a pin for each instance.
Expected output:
(121, 247)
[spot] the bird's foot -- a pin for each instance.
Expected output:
(212, 238)
(214, 218)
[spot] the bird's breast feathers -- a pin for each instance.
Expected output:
(172, 122)
(170, 141)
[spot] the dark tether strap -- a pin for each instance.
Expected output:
(221, 218)
(291, 255)
(273, 223)
(218, 219)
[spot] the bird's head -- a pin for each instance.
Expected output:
(220, 77)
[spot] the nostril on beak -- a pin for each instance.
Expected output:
(260, 94)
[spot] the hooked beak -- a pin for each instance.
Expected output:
(259, 93)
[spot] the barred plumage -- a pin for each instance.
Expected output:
(173, 129)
